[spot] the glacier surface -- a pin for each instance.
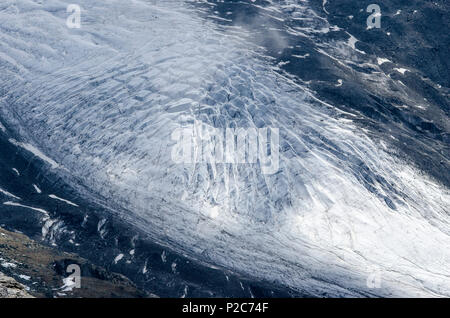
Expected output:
(101, 103)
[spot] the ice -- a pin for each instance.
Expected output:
(25, 277)
(37, 189)
(118, 258)
(27, 207)
(6, 264)
(401, 70)
(62, 200)
(381, 61)
(68, 284)
(106, 98)
(9, 194)
(36, 152)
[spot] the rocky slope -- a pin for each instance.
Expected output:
(42, 272)
(10, 288)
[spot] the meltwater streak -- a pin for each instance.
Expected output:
(104, 100)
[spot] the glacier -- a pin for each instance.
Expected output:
(101, 103)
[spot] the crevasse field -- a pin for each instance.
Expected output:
(99, 106)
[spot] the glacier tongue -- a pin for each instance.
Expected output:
(104, 100)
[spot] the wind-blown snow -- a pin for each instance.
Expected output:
(37, 189)
(36, 152)
(103, 101)
(62, 200)
(9, 194)
(28, 207)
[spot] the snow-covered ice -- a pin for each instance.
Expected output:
(112, 93)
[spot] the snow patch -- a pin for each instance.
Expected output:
(69, 284)
(300, 56)
(401, 70)
(27, 207)
(381, 60)
(52, 196)
(25, 277)
(37, 189)
(9, 194)
(35, 151)
(118, 258)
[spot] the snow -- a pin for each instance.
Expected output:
(36, 152)
(46, 227)
(118, 258)
(68, 284)
(37, 189)
(352, 43)
(186, 288)
(122, 89)
(301, 56)
(145, 269)
(25, 277)
(401, 70)
(100, 228)
(214, 212)
(52, 196)
(324, 3)
(26, 207)
(381, 60)
(9, 194)
(8, 265)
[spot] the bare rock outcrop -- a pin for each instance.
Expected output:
(10, 288)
